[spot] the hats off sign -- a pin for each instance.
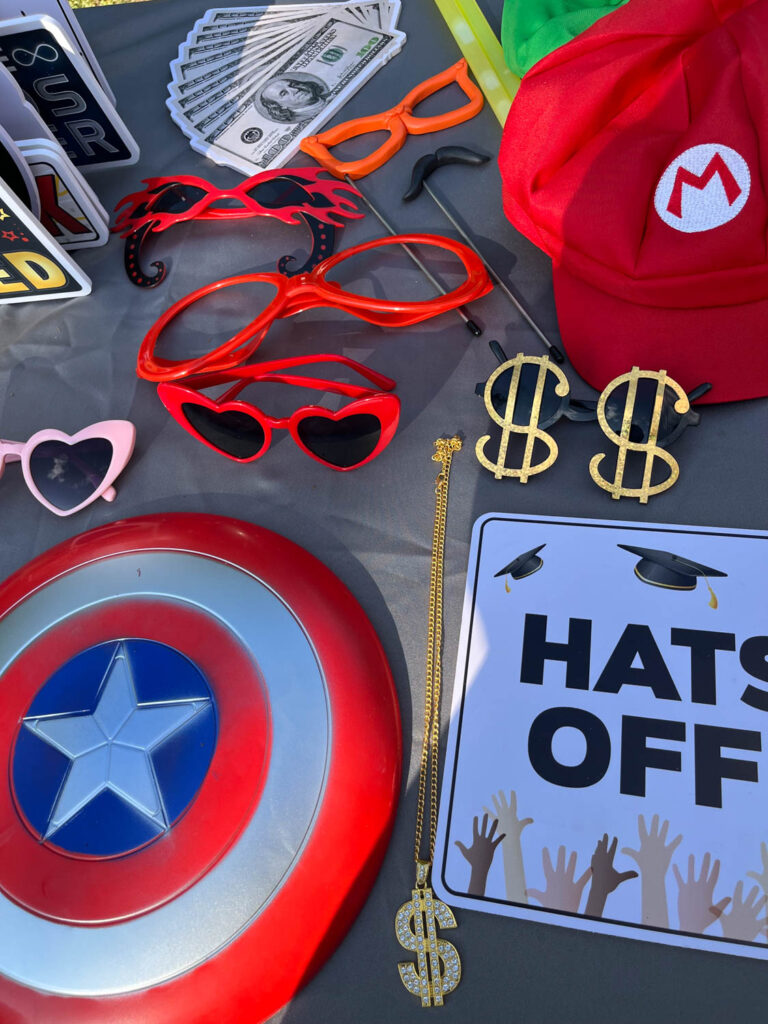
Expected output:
(606, 766)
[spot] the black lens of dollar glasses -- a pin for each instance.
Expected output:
(551, 403)
(671, 423)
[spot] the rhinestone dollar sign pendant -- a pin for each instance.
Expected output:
(437, 970)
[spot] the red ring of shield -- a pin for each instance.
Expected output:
(87, 890)
(271, 959)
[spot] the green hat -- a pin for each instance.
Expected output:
(530, 29)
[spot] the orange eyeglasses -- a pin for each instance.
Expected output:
(400, 122)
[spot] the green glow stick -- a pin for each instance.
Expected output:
(483, 53)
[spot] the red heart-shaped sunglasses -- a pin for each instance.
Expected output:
(242, 431)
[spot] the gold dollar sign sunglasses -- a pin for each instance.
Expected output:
(529, 394)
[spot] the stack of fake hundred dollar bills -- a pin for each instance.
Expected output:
(251, 82)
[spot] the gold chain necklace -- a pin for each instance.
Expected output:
(438, 968)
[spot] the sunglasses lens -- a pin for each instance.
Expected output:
(176, 199)
(66, 475)
(279, 192)
(231, 431)
(526, 388)
(344, 443)
(642, 413)
(500, 391)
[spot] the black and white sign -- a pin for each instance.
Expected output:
(609, 722)
(61, 12)
(68, 97)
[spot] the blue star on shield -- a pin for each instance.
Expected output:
(114, 747)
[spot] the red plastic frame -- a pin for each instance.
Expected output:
(309, 291)
(385, 407)
(140, 205)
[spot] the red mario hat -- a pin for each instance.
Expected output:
(637, 157)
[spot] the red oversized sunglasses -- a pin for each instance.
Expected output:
(309, 291)
(242, 431)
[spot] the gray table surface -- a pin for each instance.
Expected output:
(67, 364)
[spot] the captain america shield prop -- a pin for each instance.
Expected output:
(202, 760)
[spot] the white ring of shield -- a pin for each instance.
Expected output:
(710, 207)
(171, 940)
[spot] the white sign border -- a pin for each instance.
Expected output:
(545, 915)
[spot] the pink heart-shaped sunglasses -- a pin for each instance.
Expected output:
(67, 472)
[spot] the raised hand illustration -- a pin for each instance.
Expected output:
(563, 891)
(605, 877)
(742, 920)
(511, 849)
(762, 877)
(653, 859)
(480, 854)
(696, 905)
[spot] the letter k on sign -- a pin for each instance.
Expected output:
(704, 187)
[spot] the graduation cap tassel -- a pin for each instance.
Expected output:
(712, 595)
(507, 586)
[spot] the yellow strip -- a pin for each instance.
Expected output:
(483, 53)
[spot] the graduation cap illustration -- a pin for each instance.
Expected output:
(524, 565)
(673, 572)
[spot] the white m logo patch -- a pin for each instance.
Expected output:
(704, 187)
